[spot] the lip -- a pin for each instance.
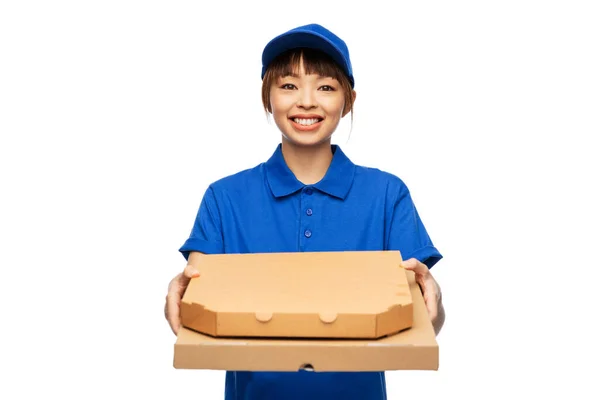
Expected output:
(305, 128)
(306, 116)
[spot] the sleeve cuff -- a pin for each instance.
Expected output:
(201, 246)
(428, 255)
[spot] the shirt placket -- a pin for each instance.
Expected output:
(306, 221)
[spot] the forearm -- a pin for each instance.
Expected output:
(194, 259)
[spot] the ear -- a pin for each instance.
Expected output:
(348, 107)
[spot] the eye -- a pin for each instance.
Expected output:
(288, 86)
(327, 88)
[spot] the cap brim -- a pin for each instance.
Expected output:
(297, 39)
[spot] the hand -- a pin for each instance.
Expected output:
(177, 288)
(432, 293)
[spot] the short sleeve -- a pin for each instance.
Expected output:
(206, 236)
(407, 233)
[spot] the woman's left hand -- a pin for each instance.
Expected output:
(432, 293)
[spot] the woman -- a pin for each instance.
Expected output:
(308, 197)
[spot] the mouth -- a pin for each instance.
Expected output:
(306, 124)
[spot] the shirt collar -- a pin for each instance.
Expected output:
(336, 182)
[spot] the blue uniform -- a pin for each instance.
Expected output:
(266, 209)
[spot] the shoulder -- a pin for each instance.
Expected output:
(238, 182)
(380, 180)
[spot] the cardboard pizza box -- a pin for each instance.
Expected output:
(411, 349)
(302, 295)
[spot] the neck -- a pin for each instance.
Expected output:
(308, 164)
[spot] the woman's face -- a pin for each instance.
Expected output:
(307, 108)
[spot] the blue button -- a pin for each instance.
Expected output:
(307, 233)
(309, 191)
(309, 212)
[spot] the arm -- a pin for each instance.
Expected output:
(177, 288)
(408, 234)
(205, 238)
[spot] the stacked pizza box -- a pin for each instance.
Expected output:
(323, 311)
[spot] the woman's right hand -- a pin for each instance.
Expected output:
(176, 290)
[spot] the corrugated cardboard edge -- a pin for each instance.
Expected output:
(330, 324)
(347, 326)
(194, 350)
(198, 317)
(396, 319)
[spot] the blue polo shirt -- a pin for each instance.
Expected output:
(266, 209)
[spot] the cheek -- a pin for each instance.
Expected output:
(335, 107)
(275, 107)
(280, 104)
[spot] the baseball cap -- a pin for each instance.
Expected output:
(312, 36)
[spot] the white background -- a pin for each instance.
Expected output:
(116, 115)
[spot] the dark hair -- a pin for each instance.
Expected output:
(314, 62)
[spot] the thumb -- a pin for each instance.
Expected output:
(188, 273)
(416, 266)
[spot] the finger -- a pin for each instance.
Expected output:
(427, 285)
(416, 266)
(430, 296)
(181, 281)
(420, 270)
(177, 288)
(172, 311)
(190, 272)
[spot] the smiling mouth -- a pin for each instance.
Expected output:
(306, 121)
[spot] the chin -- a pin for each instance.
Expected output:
(294, 140)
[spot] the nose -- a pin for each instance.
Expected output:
(306, 99)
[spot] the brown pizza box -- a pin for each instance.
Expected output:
(412, 349)
(302, 295)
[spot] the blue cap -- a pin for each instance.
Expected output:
(312, 36)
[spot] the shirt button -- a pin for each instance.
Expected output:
(309, 212)
(307, 233)
(309, 191)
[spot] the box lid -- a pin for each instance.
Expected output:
(319, 294)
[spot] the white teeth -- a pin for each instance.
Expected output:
(305, 121)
